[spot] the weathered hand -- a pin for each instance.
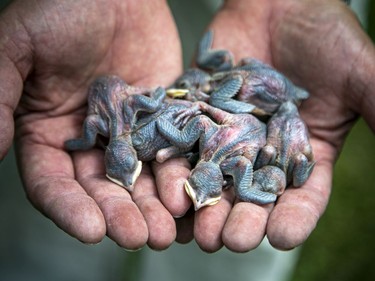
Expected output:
(50, 51)
(322, 48)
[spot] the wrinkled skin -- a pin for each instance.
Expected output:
(269, 178)
(198, 83)
(226, 148)
(125, 116)
(259, 86)
(288, 146)
(108, 99)
(251, 86)
(147, 140)
(60, 54)
(50, 51)
(296, 37)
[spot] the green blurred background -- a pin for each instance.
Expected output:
(342, 246)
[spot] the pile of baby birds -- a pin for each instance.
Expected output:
(244, 117)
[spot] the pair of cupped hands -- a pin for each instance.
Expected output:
(50, 51)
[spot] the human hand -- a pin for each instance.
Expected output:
(322, 48)
(50, 52)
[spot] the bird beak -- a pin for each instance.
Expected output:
(176, 93)
(115, 181)
(191, 192)
(193, 196)
(208, 202)
(136, 174)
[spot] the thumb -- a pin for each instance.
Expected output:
(15, 64)
(11, 84)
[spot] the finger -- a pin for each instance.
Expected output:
(210, 221)
(246, 226)
(48, 178)
(170, 180)
(161, 225)
(299, 209)
(124, 221)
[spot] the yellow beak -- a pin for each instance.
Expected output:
(176, 93)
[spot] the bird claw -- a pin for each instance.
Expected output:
(183, 116)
